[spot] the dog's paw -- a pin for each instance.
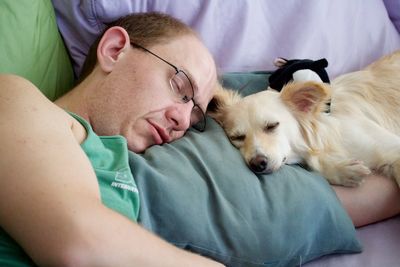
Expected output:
(351, 173)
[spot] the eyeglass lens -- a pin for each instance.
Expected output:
(197, 118)
(183, 89)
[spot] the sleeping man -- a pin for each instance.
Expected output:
(147, 80)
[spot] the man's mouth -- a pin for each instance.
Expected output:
(159, 134)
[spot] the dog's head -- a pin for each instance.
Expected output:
(267, 126)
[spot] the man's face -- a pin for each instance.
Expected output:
(136, 100)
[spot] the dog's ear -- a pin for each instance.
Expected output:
(306, 97)
(222, 99)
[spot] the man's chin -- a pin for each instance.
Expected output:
(137, 139)
(137, 147)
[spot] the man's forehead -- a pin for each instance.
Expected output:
(188, 53)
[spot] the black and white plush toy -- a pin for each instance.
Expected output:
(298, 70)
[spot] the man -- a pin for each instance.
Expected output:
(153, 80)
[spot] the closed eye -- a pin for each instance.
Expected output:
(271, 126)
(237, 138)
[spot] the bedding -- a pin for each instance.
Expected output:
(393, 7)
(247, 35)
(32, 48)
(285, 219)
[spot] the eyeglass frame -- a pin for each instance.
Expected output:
(177, 70)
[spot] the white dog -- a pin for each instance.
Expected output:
(360, 134)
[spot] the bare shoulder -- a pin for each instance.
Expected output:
(13, 85)
(37, 134)
(29, 120)
(45, 176)
(21, 100)
(22, 104)
(32, 125)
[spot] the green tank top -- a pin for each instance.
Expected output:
(109, 158)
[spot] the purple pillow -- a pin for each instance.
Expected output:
(393, 9)
(247, 35)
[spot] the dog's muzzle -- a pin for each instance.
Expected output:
(259, 164)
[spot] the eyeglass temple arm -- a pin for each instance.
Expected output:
(148, 51)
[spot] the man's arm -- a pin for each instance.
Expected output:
(49, 196)
(376, 199)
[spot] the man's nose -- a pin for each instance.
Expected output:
(179, 116)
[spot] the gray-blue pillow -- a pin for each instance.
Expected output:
(198, 194)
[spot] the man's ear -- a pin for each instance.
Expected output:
(112, 45)
(306, 97)
(222, 99)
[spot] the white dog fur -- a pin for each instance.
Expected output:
(360, 134)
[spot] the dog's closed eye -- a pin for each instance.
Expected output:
(271, 126)
(238, 137)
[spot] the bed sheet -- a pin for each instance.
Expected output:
(381, 242)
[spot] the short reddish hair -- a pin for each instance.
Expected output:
(145, 29)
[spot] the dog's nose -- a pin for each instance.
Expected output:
(259, 164)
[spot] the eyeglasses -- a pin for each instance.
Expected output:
(182, 87)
